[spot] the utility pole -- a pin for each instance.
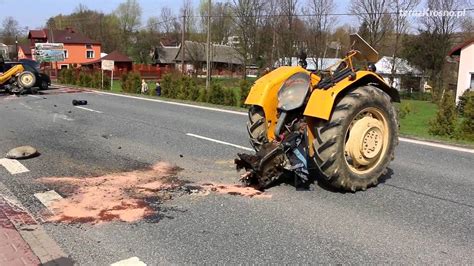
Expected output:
(16, 48)
(183, 30)
(208, 48)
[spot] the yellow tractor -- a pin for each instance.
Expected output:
(15, 79)
(340, 125)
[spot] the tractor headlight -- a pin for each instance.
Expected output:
(293, 92)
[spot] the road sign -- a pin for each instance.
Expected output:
(108, 65)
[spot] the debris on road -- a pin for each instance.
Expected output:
(23, 152)
(126, 196)
(236, 190)
(79, 102)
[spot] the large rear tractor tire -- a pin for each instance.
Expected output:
(354, 148)
(256, 127)
(26, 79)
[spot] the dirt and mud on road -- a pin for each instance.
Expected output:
(128, 196)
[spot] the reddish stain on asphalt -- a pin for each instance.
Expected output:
(121, 196)
(110, 197)
(236, 190)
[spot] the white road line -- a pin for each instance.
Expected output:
(13, 166)
(220, 142)
(437, 145)
(176, 103)
(35, 96)
(26, 106)
(87, 109)
(133, 261)
(426, 143)
(48, 198)
(61, 116)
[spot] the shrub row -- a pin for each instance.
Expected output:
(131, 82)
(185, 88)
(83, 79)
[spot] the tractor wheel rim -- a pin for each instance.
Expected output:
(366, 140)
(26, 79)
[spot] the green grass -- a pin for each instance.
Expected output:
(416, 123)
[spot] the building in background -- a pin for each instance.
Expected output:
(464, 53)
(78, 49)
(24, 52)
(405, 78)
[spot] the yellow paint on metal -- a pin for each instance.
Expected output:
(321, 102)
(10, 73)
(264, 93)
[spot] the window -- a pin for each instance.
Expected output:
(64, 66)
(472, 81)
(89, 54)
(66, 54)
(88, 46)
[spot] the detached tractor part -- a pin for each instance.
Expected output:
(15, 80)
(342, 124)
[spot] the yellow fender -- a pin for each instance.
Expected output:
(321, 102)
(264, 93)
(10, 73)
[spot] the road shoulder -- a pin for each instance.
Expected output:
(25, 241)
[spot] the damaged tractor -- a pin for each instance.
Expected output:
(341, 124)
(15, 79)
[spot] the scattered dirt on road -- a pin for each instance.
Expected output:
(111, 197)
(236, 190)
(125, 196)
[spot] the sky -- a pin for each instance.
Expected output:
(34, 13)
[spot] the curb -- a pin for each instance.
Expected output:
(40, 243)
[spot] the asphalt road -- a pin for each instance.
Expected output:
(423, 212)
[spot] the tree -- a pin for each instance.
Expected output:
(444, 124)
(467, 125)
(247, 18)
(288, 12)
(400, 24)
(318, 24)
(129, 16)
(374, 18)
(430, 47)
(221, 20)
(10, 30)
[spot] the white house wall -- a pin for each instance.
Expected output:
(466, 67)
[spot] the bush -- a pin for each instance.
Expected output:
(216, 94)
(466, 128)
(85, 80)
(229, 97)
(203, 95)
(244, 86)
(444, 124)
(131, 82)
(463, 100)
(405, 108)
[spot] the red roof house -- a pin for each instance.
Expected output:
(78, 48)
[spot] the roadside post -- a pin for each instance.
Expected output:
(108, 65)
